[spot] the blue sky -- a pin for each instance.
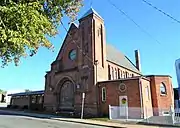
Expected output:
(156, 58)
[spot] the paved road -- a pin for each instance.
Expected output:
(15, 121)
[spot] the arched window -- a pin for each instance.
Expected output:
(112, 73)
(163, 89)
(127, 74)
(109, 72)
(132, 75)
(124, 75)
(115, 73)
(119, 74)
(103, 94)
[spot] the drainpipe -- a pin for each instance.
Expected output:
(141, 99)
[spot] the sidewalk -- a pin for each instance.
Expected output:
(84, 121)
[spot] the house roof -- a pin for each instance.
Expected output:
(91, 11)
(28, 93)
(158, 76)
(115, 56)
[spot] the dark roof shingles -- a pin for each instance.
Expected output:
(115, 56)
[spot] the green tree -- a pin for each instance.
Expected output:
(26, 24)
(27, 90)
(2, 91)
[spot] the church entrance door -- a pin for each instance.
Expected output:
(67, 95)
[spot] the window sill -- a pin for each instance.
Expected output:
(104, 101)
(164, 95)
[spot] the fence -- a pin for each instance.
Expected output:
(146, 114)
(177, 115)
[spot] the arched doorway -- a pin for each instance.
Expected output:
(66, 97)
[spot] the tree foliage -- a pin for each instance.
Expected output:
(2, 91)
(26, 24)
(27, 90)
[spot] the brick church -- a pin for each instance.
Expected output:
(87, 64)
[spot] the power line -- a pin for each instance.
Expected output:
(73, 41)
(137, 25)
(91, 2)
(161, 11)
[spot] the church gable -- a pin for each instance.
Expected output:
(67, 56)
(72, 32)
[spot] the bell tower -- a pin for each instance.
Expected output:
(93, 41)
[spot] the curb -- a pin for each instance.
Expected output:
(160, 125)
(111, 126)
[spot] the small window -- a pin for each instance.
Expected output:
(103, 94)
(132, 75)
(99, 31)
(33, 99)
(112, 73)
(163, 89)
(109, 70)
(124, 75)
(119, 74)
(115, 73)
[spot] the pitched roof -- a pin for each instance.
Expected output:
(28, 93)
(115, 56)
(91, 11)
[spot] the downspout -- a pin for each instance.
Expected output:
(141, 99)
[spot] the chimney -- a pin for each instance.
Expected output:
(137, 57)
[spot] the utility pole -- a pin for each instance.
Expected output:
(82, 108)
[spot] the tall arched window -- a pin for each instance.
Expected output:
(115, 73)
(119, 74)
(124, 75)
(112, 73)
(163, 89)
(103, 94)
(109, 72)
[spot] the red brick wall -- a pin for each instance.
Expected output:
(158, 100)
(113, 93)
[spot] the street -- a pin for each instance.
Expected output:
(16, 121)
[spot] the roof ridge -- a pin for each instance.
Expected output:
(131, 62)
